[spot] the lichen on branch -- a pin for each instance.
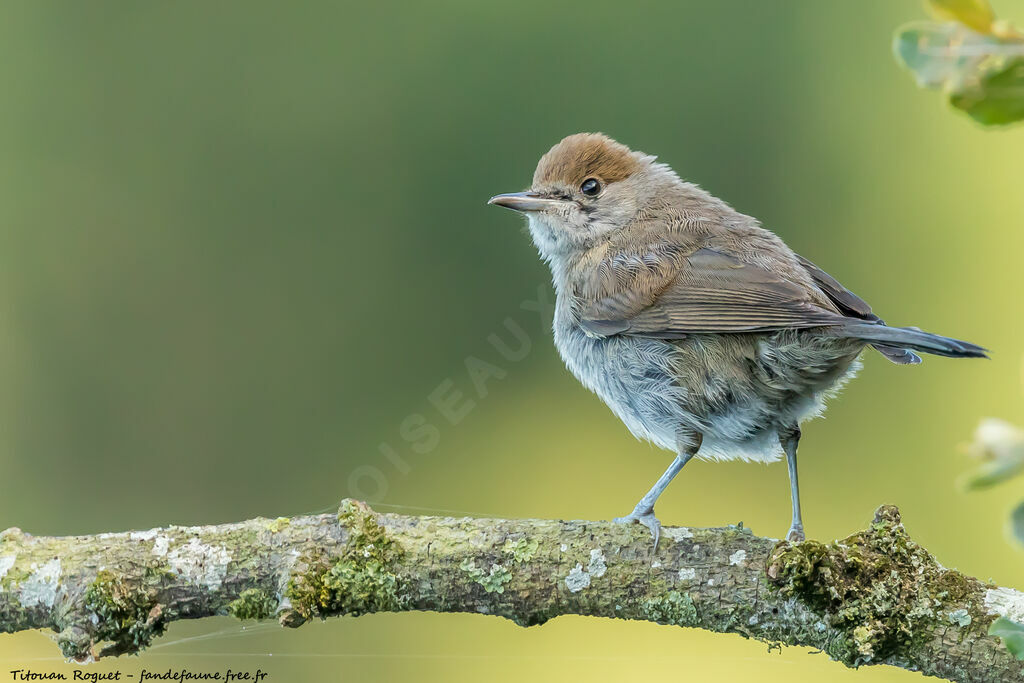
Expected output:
(874, 597)
(879, 586)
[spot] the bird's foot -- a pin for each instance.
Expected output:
(796, 533)
(645, 516)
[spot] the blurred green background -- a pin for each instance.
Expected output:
(240, 242)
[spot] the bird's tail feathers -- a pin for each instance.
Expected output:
(897, 355)
(895, 343)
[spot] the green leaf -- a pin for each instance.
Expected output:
(947, 55)
(998, 98)
(977, 14)
(1011, 633)
(1000, 447)
(1017, 522)
(982, 73)
(993, 472)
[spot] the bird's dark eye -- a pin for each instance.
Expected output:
(591, 187)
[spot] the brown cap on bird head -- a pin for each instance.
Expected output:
(581, 163)
(582, 156)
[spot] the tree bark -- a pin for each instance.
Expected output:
(875, 597)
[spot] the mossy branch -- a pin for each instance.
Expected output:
(875, 597)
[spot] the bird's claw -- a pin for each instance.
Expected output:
(645, 517)
(796, 534)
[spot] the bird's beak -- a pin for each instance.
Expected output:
(526, 201)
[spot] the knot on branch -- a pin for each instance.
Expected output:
(880, 590)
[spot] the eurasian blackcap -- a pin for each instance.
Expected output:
(701, 330)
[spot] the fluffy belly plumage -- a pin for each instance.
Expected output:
(736, 391)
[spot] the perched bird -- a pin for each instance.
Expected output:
(700, 329)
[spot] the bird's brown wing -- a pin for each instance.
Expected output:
(851, 305)
(669, 295)
(847, 302)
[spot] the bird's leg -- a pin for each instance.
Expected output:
(644, 510)
(789, 440)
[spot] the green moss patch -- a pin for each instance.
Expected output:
(253, 604)
(671, 608)
(361, 580)
(878, 587)
(493, 581)
(521, 550)
(276, 525)
(129, 616)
